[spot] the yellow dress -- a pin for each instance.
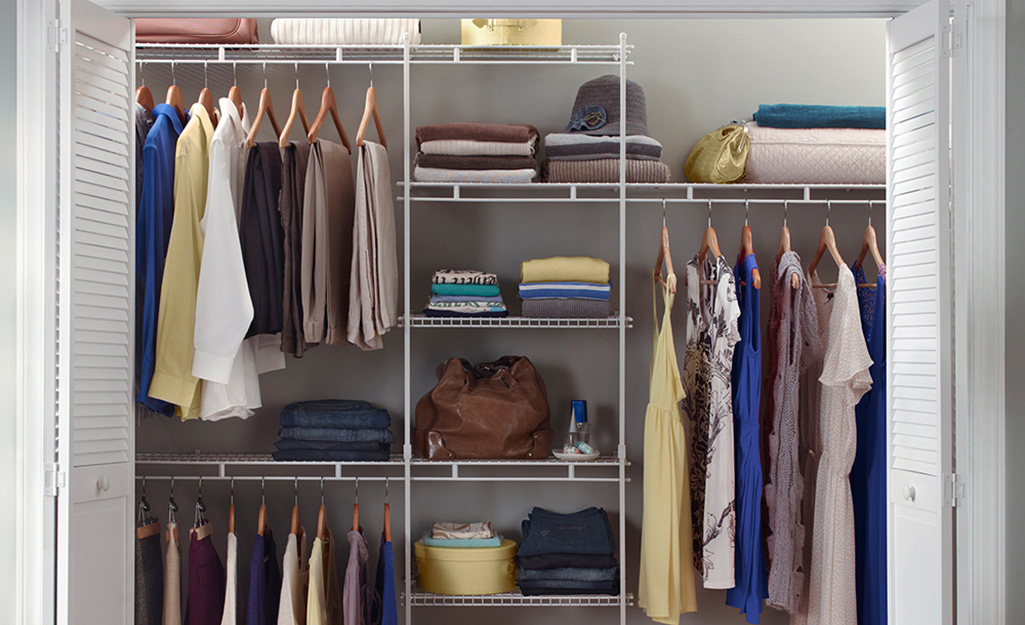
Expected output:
(667, 575)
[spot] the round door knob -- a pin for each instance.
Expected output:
(103, 484)
(909, 493)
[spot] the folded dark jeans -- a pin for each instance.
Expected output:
(587, 532)
(336, 435)
(566, 560)
(571, 575)
(317, 455)
(593, 588)
(289, 445)
(335, 413)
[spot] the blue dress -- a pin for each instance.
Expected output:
(868, 474)
(751, 589)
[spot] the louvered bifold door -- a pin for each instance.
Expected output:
(95, 320)
(919, 313)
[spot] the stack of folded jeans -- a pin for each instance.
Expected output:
(465, 293)
(476, 152)
(568, 554)
(565, 288)
(462, 535)
(334, 430)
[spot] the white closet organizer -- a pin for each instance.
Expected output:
(404, 468)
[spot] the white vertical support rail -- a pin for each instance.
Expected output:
(621, 452)
(407, 448)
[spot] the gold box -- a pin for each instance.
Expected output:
(485, 32)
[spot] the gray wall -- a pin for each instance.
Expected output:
(8, 305)
(697, 75)
(1015, 294)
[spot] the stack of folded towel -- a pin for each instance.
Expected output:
(465, 293)
(589, 150)
(568, 554)
(462, 535)
(334, 430)
(565, 287)
(476, 152)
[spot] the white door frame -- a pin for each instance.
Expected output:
(979, 362)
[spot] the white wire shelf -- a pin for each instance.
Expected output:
(213, 466)
(187, 54)
(548, 470)
(423, 321)
(428, 599)
(608, 193)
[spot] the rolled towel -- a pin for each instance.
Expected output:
(565, 269)
(820, 116)
(477, 131)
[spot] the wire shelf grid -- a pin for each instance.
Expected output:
(427, 599)
(423, 321)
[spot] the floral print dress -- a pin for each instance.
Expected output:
(712, 333)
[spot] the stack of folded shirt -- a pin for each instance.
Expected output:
(465, 293)
(476, 152)
(565, 287)
(575, 157)
(568, 554)
(462, 535)
(333, 430)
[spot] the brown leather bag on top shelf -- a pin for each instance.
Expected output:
(494, 410)
(198, 30)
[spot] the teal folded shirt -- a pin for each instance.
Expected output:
(465, 543)
(483, 290)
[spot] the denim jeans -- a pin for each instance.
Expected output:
(571, 575)
(317, 455)
(335, 413)
(336, 435)
(587, 531)
(290, 445)
(569, 588)
(566, 561)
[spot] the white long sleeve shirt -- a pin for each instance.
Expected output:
(228, 364)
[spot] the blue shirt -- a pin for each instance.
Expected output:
(152, 232)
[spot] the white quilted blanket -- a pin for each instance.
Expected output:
(815, 156)
(340, 32)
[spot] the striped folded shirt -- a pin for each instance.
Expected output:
(565, 290)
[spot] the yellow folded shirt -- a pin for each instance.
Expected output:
(565, 269)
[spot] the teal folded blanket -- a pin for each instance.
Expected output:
(483, 290)
(818, 116)
(466, 543)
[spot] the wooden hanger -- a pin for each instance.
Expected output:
(746, 248)
(234, 94)
(201, 527)
(297, 527)
(709, 243)
(784, 246)
(143, 95)
(261, 519)
(328, 106)
(266, 109)
(231, 509)
(869, 243)
(370, 109)
(206, 98)
(827, 241)
(355, 509)
(663, 252)
(322, 514)
(298, 111)
(172, 508)
(174, 98)
(387, 513)
(152, 528)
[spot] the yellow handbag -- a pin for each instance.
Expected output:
(719, 157)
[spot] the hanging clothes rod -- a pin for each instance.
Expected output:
(742, 201)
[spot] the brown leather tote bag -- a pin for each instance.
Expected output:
(197, 30)
(490, 411)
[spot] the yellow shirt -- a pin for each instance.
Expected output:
(172, 376)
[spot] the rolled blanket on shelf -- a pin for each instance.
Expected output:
(606, 170)
(430, 174)
(580, 290)
(477, 131)
(572, 308)
(466, 147)
(565, 269)
(819, 116)
(340, 32)
(442, 161)
(566, 146)
(463, 276)
(472, 290)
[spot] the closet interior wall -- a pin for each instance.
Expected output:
(697, 75)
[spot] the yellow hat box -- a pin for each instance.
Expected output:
(484, 32)
(467, 571)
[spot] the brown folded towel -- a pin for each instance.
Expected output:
(440, 161)
(476, 131)
(606, 170)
